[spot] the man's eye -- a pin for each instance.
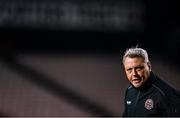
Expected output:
(129, 70)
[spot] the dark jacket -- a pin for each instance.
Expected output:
(155, 98)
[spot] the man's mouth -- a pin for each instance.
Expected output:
(136, 80)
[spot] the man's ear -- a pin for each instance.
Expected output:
(149, 65)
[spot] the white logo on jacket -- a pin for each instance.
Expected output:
(128, 102)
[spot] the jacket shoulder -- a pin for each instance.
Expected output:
(163, 87)
(171, 95)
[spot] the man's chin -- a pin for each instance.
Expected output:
(137, 85)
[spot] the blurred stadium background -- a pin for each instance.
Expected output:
(63, 57)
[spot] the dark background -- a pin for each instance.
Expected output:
(74, 68)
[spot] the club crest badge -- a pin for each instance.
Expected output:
(149, 104)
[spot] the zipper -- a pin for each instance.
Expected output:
(137, 98)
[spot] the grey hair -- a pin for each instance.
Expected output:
(136, 52)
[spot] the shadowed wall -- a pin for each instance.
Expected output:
(49, 68)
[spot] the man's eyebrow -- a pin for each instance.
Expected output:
(129, 69)
(140, 66)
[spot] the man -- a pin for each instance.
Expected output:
(147, 95)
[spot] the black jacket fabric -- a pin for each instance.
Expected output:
(155, 98)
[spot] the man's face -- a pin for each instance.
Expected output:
(137, 71)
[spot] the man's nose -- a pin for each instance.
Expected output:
(134, 72)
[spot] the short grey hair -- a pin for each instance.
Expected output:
(136, 52)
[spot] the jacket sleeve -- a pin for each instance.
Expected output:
(167, 106)
(162, 106)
